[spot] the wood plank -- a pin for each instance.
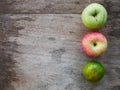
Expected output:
(44, 6)
(47, 53)
(42, 51)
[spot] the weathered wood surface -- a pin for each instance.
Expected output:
(44, 6)
(42, 51)
(46, 49)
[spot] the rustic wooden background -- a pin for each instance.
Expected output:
(40, 45)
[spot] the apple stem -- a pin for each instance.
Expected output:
(95, 14)
(94, 44)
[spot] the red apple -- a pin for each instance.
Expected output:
(94, 44)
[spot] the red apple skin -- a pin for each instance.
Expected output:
(94, 44)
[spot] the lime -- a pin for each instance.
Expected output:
(93, 71)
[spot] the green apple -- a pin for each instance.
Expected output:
(93, 71)
(94, 16)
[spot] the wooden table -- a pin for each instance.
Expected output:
(40, 45)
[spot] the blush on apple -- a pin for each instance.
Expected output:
(94, 44)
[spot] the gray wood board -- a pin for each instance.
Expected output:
(42, 51)
(47, 54)
(44, 6)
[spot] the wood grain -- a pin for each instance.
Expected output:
(50, 56)
(44, 6)
(42, 51)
